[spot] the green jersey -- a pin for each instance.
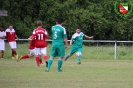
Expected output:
(58, 34)
(78, 39)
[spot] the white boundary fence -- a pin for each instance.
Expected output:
(97, 41)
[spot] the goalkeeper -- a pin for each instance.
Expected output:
(77, 42)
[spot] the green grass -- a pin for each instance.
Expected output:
(90, 74)
(89, 52)
(98, 70)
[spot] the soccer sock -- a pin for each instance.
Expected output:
(67, 57)
(50, 61)
(15, 53)
(37, 61)
(60, 62)
(12, 53)
(2, 54)
(46, 58)
(78, 59)
(40, 60)
(25, 56)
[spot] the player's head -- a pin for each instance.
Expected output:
(39, 23)
(1, 28)
(59, 21)
(78, 30)
(10, 26)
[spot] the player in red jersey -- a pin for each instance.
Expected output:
(40, 34)
(11, 35)
(32, 51)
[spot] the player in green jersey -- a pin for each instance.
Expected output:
(77, 42)
(58, 47)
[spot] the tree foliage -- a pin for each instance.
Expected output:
(95, 17)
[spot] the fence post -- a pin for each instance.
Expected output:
(115, 50)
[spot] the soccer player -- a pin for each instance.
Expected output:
(11, 35)
(58, 47)
(40, 34)
(32, 51)
(77, 42)
(2, 42)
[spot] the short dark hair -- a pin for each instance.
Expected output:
(60, 20)
(39, 23)
(1, 26)
(10, 25)
(78, 28)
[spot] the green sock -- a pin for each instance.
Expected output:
(60, 62)
(50, 61)
(78, 59)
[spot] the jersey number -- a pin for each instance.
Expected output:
(40, 36)
(55, 35)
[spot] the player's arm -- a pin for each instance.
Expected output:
(66, 43)
(3, 37)
(71, 42)
(32, 37)
(89, 37)
(46, 34)
(72, 39)
(16, 36)
(65, 38)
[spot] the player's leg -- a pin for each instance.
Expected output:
(60, 62)
(23, 57)
(79, 55)
(40, 60)
(53, 54)
(10, 44)
(37, 52)
(72, 51)
(2, 49)
(44, 52)
(13, 47)
(61, 54)
(32, 53)
(50, 61)
(2, 54)
(69, 55)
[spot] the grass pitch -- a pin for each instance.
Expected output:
(90, 74)
(97, 70)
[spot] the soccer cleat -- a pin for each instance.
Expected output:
(79, 62)
(66, 58)
(42, 63)
(47, 70)
(37, 66)
(16, 56)
(19, 58)
(46, 63)
(13, 57)
(59, 70)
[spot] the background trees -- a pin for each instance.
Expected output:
(95, 17)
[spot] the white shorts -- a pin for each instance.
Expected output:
(13, 45)
(41, 51)
(32, 51)
(2, 45)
